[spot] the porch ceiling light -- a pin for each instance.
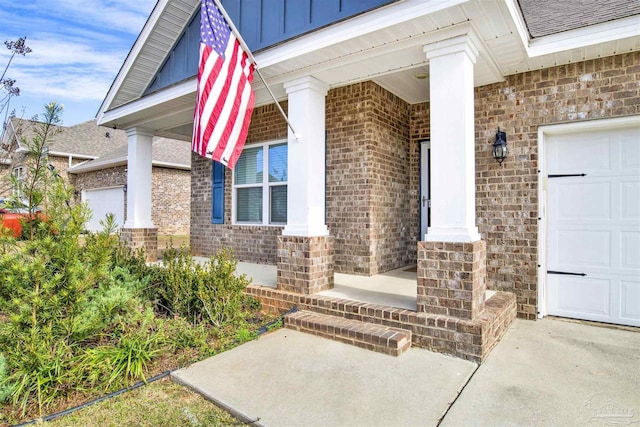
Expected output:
(500, 147)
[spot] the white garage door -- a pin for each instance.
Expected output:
(103, 201)
(593, 225)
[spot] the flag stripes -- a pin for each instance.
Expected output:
(225, 99)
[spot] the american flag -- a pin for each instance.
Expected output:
(224, 99)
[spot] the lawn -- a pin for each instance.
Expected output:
(162, 403)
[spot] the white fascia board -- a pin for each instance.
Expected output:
(370, 22)
(140, 42)
(587, 36)
(119, 161)
(77, 156)
(171, 165)
(518, 20)
(185, 88)
(573, 39)
(90, 167)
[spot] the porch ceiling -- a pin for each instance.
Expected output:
(385, 46)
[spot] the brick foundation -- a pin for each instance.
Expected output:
(141, 238)
(305, 264)
(467, 339)
(452, 278)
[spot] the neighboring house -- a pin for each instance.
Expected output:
(397, 105)
(68, 146)
(93, 159)
(103, 184)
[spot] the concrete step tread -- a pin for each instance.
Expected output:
(383, 339)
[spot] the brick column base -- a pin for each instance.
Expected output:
(305, 264)
(452, 278)
(141, 238)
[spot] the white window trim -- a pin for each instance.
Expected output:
(18, 172)
(266, 189)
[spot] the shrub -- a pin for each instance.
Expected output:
(110, 306)
(220, 290)
(209, 292)
(5, 385)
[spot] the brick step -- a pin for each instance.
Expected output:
(383, 339)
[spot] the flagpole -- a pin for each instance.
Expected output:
(253, 59)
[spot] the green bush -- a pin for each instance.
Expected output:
(209, 292)
(220, 290)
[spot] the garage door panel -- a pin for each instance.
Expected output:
(629, 149)
(630, 200)
(630, 242)
(630, 309)
(563, 159)
(583, 248)
(593, 301)
(581, 200)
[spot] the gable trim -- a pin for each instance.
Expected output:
(573, 39)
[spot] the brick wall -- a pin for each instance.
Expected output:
(368, 181)
(393, 235)
(170, 198)
(507, 203)
(6, 189)
(171, 201)
(250, 243)
(348, 191)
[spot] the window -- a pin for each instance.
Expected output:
(18, 173)
(261, 198)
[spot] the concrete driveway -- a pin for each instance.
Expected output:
(548, 372)
(554, 373)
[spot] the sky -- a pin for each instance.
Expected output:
(78, 48)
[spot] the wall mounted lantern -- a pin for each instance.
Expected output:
(500, 147)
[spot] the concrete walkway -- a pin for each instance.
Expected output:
(548, 372)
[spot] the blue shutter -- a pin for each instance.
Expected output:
(217, 193)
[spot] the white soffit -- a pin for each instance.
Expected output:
(158, 36)
(384, 45)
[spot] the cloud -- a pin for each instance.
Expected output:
(78, 45)
(102, 15)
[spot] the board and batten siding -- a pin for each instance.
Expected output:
(262, 23)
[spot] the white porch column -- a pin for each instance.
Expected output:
(306, 185)
(452, 166)
(140, 143)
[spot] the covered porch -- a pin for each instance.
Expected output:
(396, 288)
(352, 178)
